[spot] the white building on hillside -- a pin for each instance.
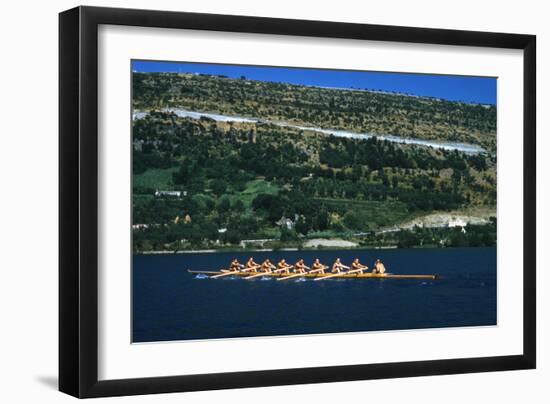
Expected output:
(175, 194)
(289, 224)
(457, 222)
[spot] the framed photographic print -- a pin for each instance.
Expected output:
(250, 201)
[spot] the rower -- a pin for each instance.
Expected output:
(317, 267)
(379, 268)
(300, 267)
(338, 266)
(235, 265)
(356, 266)
(251, 265)
(267, 266)
(282, 266)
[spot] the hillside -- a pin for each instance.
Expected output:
(356, 110)
(243, 180)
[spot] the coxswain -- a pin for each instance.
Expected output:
(317, 267)
(379, 267)
(337, 267)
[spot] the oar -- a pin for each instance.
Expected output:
(282, 269)
(313, 271)
(251, 268)
(224, 274)
(339, 273)
(257, 275)
(327, 277)
(352, 271)
(292, 276)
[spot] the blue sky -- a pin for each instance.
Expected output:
(482, 90)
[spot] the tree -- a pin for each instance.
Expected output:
(407, 239)
(322, 219)
(182, 176)
(350, 219)
(288, 234)
(395, 182)
(203, 203)
(218, 186)
(239, 206)
(224, 204)
(301, 226)
(231, 237)
(356, 172)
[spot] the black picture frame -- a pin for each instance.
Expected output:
(78, 201)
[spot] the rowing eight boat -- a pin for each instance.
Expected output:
(343, 275)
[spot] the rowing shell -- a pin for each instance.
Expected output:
(369, 275)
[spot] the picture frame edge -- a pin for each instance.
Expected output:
(78, 287)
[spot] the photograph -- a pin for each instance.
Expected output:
(274, 201)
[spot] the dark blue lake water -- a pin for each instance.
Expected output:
(171, 304)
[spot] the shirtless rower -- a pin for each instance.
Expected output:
(300, 267)
(357, 267)
(251, 266)
(317, 267)
(235, 266)
(267, 266)
(283, 267)
(379, 268)
(337, 267)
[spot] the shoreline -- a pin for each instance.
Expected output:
(210, 251)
